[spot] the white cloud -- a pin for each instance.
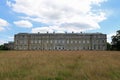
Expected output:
(49, 29)
(41, 29)
(109, 39)
(23, 23)
(3, 24)
(11, 38)
(2, 42)
(77, 15)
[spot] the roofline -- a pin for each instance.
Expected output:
(61, 33)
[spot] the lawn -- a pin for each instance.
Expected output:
(59, 65)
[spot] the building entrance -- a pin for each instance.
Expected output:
(59, 48)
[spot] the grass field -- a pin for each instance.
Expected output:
(59, 65)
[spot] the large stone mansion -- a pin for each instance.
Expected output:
(60, 41)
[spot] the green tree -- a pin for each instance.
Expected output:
(109, 46)
(2, 47)
(116, 41)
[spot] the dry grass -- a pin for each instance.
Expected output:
(59, 65)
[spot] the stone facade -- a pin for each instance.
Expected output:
(60, 41)
(9, 45)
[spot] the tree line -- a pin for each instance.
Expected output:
(3, 47)
(115, 44)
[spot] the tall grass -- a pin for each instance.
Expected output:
(59, 65)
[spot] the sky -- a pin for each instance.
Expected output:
(60, 16)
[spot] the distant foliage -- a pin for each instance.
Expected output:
(2, 47)
(109, 47)
(116, 41)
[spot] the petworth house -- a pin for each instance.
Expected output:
(60, 41)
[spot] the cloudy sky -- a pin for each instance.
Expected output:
(32, 16)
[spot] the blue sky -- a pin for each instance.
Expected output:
(32, 16)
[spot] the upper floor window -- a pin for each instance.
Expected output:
(88, 41)
(59, 41)
(75, 41)
(39, 41)
(63, 41)
(25, 42)
(47, 41)
(51, 41)
(71, 41)
(35, 41)
(83, 41)
(67, 41)
(31, 41)
(79, 41)
(55, 41)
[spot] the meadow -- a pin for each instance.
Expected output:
(59, 65)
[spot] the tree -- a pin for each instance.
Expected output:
(2, 47)
(116, 41)
(109, 47)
